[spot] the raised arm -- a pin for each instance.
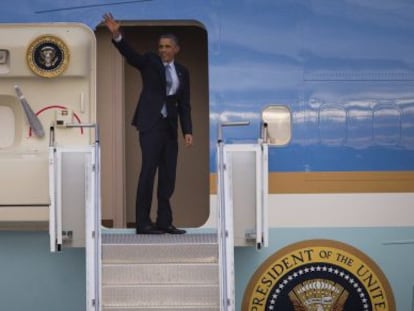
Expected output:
(112, 25)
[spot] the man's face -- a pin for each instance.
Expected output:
(167, 49)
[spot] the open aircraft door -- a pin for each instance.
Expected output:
(49, 142)
(49, 151)
(48, 80)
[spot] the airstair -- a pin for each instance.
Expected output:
(125, 271)
(160, 272)
(130, 272)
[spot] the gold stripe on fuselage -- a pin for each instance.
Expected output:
(335, 182)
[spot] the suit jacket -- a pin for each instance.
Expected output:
(153, 94)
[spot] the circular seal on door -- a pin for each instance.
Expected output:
(48, 56)
(318, 275)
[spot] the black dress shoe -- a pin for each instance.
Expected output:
(172, 230)
(149, 230)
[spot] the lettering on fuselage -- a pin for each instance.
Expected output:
(318, 275)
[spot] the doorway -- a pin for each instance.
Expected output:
(118, 88)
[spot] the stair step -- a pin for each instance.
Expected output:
(158, 296)
(189, 238)
(189, 308)
(166, 248)
(160, 273)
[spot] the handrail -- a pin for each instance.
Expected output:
(262, 238)
(52, 190)
(95, 231)
(93, 213)
(225, 227)
(97, 223)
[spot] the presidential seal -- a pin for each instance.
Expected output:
(48, 56)
(318, 275)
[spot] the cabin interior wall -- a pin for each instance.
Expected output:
(110, 116)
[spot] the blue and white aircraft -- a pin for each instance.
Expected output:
(303, 115)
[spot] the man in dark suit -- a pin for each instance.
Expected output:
(165, 97)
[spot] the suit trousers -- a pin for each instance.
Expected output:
(159, 149)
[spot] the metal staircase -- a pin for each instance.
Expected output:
(129, 272)
(160, 272)
(125, 271)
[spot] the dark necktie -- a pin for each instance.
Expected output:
(168, 80)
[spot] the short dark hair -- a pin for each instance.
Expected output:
(171, 36)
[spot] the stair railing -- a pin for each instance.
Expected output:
(92, 210)
(93, 231)
(225, 230)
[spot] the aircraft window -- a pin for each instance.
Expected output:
(4, 55)
(4, 61)
(278, 121)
